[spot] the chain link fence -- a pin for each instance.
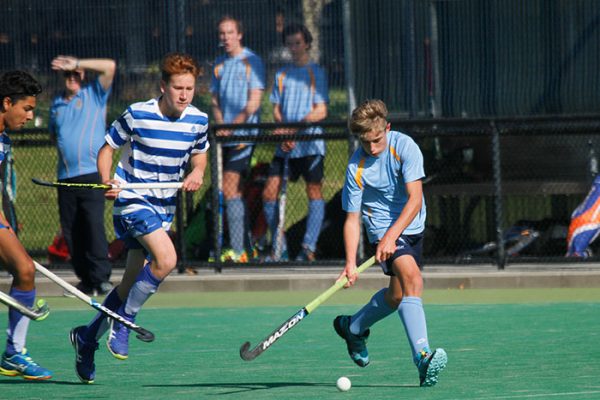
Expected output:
(499, 189)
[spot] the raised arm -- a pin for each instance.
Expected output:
(106, 67)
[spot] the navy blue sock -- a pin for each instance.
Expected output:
(99, 325)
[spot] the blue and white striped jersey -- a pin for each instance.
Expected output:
(4, 146)
(155, 148)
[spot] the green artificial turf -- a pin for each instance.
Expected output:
(501, 345)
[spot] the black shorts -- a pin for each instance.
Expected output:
(237, 158)
(310, 167)
(406, 244)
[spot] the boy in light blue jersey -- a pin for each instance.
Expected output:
(237, 85)
(299, 94)
(158, 138)
(383, 186)
(77, 125)
(18, 91)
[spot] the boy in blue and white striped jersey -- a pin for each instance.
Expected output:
(157, 138)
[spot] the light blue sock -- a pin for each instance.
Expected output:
(314, 221)
(145, 286)
(375, 310)
(413, 317)
(270, 210)
(17, 322)
(235, 222)
(99, 324)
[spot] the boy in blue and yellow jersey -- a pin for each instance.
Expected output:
(237, 85)
(299, 95)
(18, 91)
(160, 139)
(383, 186)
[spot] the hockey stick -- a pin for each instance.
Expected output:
(221, 201)
(142, 334)
(39, 313)
(102, 186)
(280, 234)
(249, 355)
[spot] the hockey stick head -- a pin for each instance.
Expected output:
(245, 352)
(41, 182)
(144, 335)
(41, 309)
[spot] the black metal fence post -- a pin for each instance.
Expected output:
(498, 214)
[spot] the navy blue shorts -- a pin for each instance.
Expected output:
(309, 167)
(406, 244)
(237, 158)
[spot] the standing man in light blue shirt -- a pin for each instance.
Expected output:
(237, 85)
(384, 187)
(78, 124)
(299, 94)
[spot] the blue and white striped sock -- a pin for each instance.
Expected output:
(145, 286)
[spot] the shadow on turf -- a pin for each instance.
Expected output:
(246, 387)
(19, 380)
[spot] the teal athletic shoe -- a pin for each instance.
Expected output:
(356, 344)
(84, 355)
(430, 365)
(118, 340)
(21, 364)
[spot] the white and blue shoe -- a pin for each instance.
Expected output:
(21, 364)
(430, 365)
(118, 340)
(84, 355)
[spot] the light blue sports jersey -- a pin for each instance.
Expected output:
(296, 90)
(232, 79)
(79, 125)
(155, 148)
(375, 186)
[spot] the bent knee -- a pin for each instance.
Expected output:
(164, 265)
(24, 274)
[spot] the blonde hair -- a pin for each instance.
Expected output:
(369, 116)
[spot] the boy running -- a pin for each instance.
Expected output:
(18, 91)
(383, 186)
(158, 138)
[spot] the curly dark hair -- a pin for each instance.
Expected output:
(18, 84)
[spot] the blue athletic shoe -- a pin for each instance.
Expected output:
(430, 365)
(84, 355)
(356, 344)
(118, 340)
(23, 365)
